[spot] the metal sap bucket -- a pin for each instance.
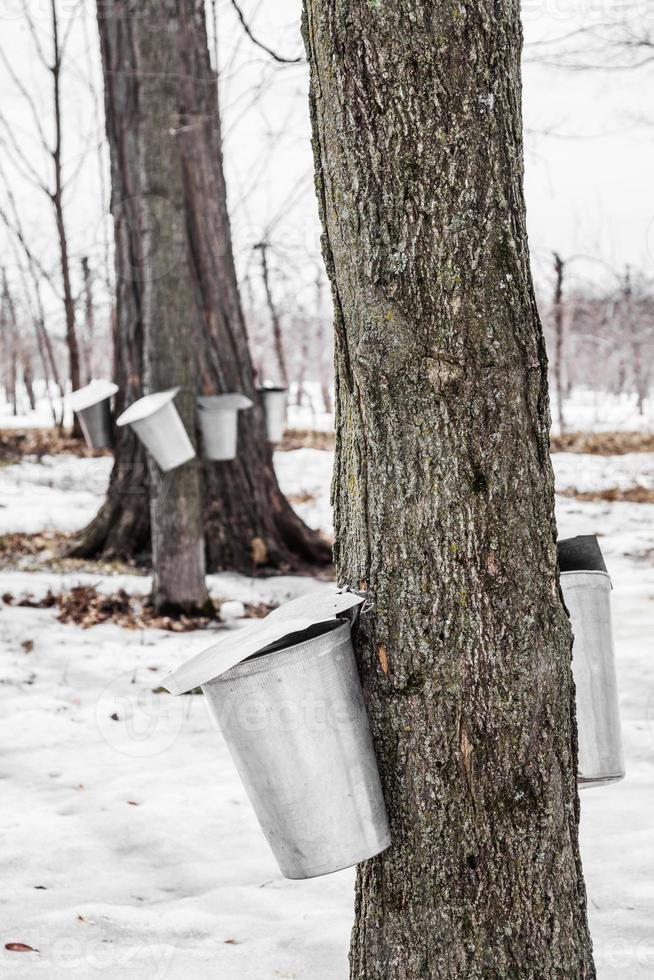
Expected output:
(586, 588)
(295, 723)
(274, 405)
(219, 424)
(156, 422)
(92, 405)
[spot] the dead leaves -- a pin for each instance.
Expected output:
(86, 607)
(16, 443)
(20, 948)
(307, 439)
(603, 443)
(632, 495)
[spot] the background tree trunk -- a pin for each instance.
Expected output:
(121, 529)
(248, 522)
(9, 344)
(443, 493)
(173, 328)
(58, 205)
(559, 267)
(89, 322)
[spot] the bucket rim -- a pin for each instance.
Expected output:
(96, 391)
(266, 660)
(231, 401)
(272, 390)
(586, 577)
(147, 406)
(596, 782)
(235, 646)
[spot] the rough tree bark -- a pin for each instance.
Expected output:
(248, 522)
(443, 493)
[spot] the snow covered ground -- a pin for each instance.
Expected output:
(129, 847)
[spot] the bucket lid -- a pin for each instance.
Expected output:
(95, 391)
(293, 617)
(232, 401)
(580, 554)
(146, 406)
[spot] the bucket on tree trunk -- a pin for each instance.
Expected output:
(156, 422)
(219, 424)
(287, 697)
(586, 588)
(274, 402)
(92, 405)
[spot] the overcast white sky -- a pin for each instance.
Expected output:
(589, 165)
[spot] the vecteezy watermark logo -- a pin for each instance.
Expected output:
(627, 958)
(137, 719)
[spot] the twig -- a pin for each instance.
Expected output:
(260, 44)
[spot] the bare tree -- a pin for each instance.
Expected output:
(629, 312)
(53, 187)
(9, 344)
(558, 312)
(263, 247)
(90, 339)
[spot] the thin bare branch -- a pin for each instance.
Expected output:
(264, 47)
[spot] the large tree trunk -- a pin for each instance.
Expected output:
(443, 493)
(248, 522)
(122, 526)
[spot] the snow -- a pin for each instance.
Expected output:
(55, 493)
(591, 410)
(65, 492)
(182, 886)
(589, 472)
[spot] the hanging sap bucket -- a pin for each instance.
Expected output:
(156, 422)
(92, 405)
(586, 589)
(219, 424)
(287, 697)
(274, 402)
